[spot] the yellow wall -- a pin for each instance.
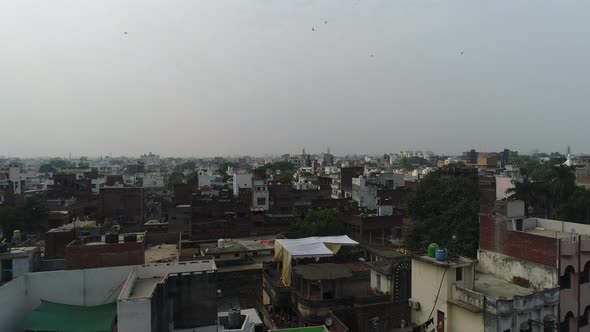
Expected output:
(426, 279)
(462, 320)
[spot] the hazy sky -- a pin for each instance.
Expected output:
(202, 78)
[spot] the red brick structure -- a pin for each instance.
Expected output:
(125, 204)
(92, 252)
(562, 246)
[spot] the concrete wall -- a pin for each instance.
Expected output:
(461, 319)
(385, 282)
(21, 265)
(13, 304)
(134, 315)
(426, 280)
(503, 183)
(241, 181)
(77, 287)
(538, 275)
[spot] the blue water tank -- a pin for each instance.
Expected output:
(441, 255)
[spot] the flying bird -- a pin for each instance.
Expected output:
(125, 32)
(312, 29)
(372, 56)
(462, 52)
(325, 22)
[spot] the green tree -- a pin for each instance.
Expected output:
(28, 215)
(321, 222)
(411, 163)
(174, 178)
(444, 210)
(576, 208)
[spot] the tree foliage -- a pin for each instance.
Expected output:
(444, 210)
(411, 163)
(54, 165)
(28, 215)
(321, 222)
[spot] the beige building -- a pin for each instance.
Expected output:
(453, 296)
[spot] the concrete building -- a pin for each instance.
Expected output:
(241, 180)
(539, 253)
(156, 297)
(180, 220)
(364, 193)
(450, 295)
(16, 261)
(236, 249)
(106, 250)
(126, 205)
(150, 159)
(260, 195)
(153, 180)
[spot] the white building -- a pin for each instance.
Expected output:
(364, 193)
(144, 295)
(150, 159)
(260, 195)
(17, 261)
(242, 180)
(154, 180)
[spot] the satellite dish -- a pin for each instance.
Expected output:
(328, 321)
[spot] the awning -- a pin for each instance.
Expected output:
(50, 316)
(308, 247)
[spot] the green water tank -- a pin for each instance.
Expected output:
(432, 249)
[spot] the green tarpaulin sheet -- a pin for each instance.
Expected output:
(50, 316)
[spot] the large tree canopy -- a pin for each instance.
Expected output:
(322, 222)
(444, 210)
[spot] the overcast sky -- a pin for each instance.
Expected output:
(203, 78)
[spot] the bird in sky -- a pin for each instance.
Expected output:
(125, 32)
(372, 56)
(462, 52)
(325, 22)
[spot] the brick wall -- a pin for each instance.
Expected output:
(105, 255)
(494, 236)
(56, 242)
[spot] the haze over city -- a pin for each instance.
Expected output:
(203, 78)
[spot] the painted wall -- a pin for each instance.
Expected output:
(426, 280)
(242, 181)
(461, 319)
(385, 285)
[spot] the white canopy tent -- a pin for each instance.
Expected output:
(309, 247)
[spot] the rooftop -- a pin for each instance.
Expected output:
(19, 251)
(144, 287)
(100, 239)
(77, 224)
(496, 288)
(161, 253)
(452, 262)
(240, 245)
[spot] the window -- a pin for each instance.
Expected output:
(255, 253)
(261, 201)
(586, 273)
(378, 281)
(459, 274)
(565, 281)
(217, 256)
(236, 255)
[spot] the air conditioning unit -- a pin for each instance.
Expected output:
(414, 304)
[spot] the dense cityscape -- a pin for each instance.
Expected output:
(408, 241)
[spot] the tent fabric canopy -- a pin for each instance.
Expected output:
(308, 247)
(51, 316)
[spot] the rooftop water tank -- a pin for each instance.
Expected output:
(432, 250)
(441, 255)
(221, 243)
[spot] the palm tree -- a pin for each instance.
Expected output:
(525, 190)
